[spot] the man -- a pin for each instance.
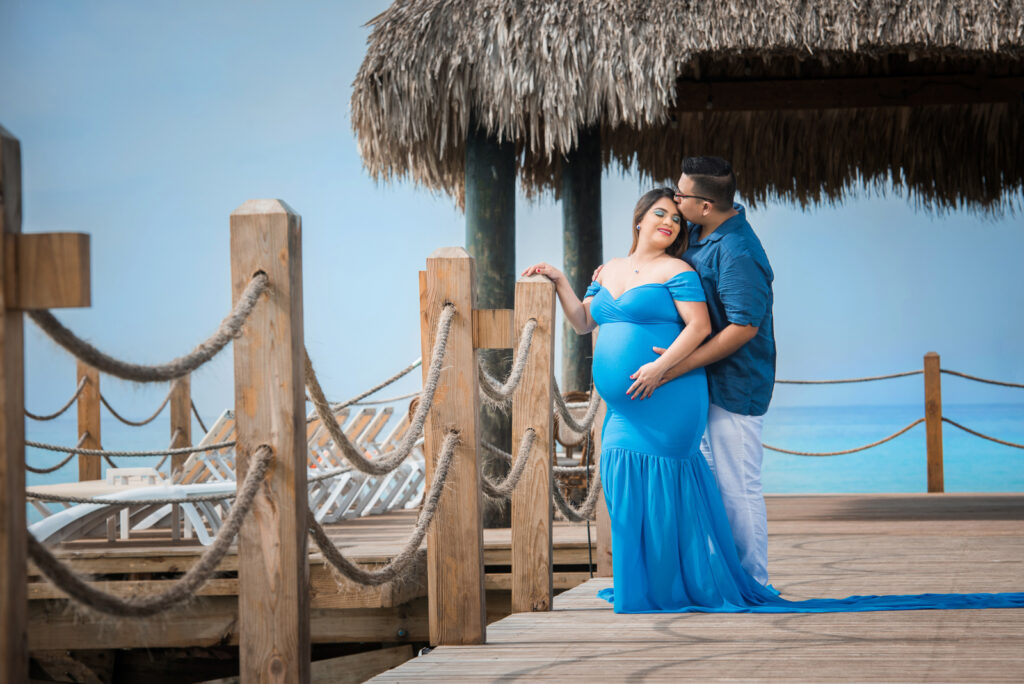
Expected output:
(740, 354)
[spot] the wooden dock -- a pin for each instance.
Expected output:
(820, 546)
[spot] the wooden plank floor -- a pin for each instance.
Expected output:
(820, 546)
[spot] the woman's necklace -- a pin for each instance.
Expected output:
(638, 268)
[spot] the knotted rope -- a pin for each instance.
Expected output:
(79, 590)
(131, 454)
(400, 563)
(229, 328)
(497, 393)
(63, 409)
(137, 423)
(376, 388)
(503, 489)
(44, 471)
(846, 380)
(586, 510)
(385, 463)
(978, 434)
(975, 378)
(845, 451)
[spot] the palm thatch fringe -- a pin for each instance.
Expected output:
(537, 71)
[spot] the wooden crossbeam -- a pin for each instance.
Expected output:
(845, 93)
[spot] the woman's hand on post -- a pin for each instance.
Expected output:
(645, 380)
(547, 270)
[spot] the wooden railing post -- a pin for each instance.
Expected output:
(933, 420)
(13, 535)
(89, 467)
(603, 554)
(531, 408)
(181, 420)
(273, 568)
(455, 550)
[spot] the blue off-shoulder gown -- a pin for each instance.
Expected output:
(672, 548)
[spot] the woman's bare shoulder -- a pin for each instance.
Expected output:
(611, 267)
(673, 266)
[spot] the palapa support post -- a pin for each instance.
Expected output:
(531, 408)
(89, 434)
(37, 271)
(582, 247)
(455, 550)
(933, 420)
(603, 522)
(273, 568)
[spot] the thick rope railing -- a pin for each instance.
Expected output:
(846, 451)
(137, 423)
(195, 412)
(498, 393)
(63, 409)
(53, 469)
(586, 510)
(229, 328)
(398, 565)
(870, 378)
(581, 428)
(503, 489)
(130, 454)
(975, 378)
(385, 463)
(983, 436)
(376, 388)
(79, 590)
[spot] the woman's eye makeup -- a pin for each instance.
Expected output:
(661, 213)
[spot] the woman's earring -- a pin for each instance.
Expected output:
(638, 226)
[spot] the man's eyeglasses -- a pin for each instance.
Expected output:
(680, 196)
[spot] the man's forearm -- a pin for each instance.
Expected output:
(731, 338)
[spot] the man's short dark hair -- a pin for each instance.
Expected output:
(712, 178)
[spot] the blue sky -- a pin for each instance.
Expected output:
(146, 124)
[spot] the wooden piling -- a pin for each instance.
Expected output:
(455, 550)
(273, 572)
(13, 539)
(933, 420)
(531, 408)
(88, 405)
(181, 420)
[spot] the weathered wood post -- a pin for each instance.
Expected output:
(88, 405)
(273, 568)
(490, 183)
(181, 419)
(582, 247)
(531, 408)
(455, 546)
(933, 420)
(603, 522)
(37, 271)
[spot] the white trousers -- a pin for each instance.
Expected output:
(732, 447)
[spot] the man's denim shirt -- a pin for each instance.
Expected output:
(737, 280)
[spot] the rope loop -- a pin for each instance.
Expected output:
(846, 451)
(63, 409)
(503, 489)
(497, 393)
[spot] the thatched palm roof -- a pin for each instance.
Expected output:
(538, 71)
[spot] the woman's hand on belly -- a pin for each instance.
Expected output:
(646, 379)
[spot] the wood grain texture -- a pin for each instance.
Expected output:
(603, 550)
(455, 560)
(939, 543)
(933, 421)
(843, 93)
(181, 419)
(13, 540)
(493, 329)
(273, 573)
(46, 270)
(89, 411)
(531, 408)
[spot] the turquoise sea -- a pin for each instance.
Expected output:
(971, 464)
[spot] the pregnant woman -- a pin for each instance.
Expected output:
(672, 547)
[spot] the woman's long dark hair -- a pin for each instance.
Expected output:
(644, 204)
